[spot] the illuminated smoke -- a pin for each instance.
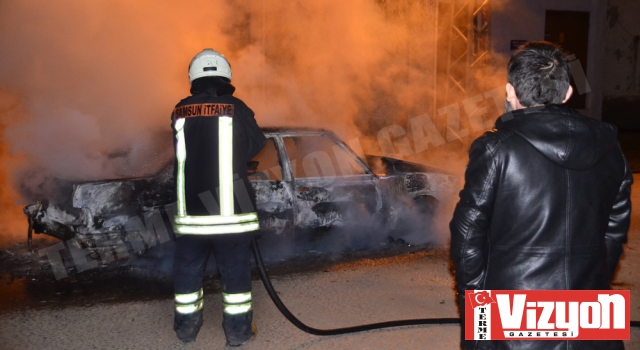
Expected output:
(97, 80)
(11, 215)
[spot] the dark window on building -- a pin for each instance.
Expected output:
(570, 29)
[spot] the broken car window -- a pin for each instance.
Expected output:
(320, 156)
(268, 167)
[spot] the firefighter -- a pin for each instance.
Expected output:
(216, 135)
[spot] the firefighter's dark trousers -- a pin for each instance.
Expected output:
(232, 258)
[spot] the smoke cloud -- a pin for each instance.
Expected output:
(11, 215)
(91, 84)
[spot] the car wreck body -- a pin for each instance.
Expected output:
(304, 180)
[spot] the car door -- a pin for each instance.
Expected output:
(333, 186)
(273, 188)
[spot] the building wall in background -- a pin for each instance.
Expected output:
(622, 34)
(621, 104)
(525, 20)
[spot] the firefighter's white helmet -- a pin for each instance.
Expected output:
(209, 63)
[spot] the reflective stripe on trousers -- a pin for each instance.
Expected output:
(227, 221)
(236, 303)
(189, 303)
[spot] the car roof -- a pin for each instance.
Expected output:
(293, 131)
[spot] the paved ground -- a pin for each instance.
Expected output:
(416, 285)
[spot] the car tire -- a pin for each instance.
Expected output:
(427, 205)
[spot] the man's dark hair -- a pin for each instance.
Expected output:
(539, 72)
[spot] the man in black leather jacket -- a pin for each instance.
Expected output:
(546, 201)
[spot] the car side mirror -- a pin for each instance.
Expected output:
(252, 166)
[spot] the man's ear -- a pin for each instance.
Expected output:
(569, 93)
(512, 97)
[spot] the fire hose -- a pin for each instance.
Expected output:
(354, 329)
(296, 322)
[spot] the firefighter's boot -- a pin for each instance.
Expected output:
(187, 326)
(188, 316)
(238, 328)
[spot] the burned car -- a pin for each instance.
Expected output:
(306, 181)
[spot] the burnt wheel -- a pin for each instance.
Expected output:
(427, 205)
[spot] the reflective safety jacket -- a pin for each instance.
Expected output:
(215, 138)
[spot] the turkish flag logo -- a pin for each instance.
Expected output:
(480, 298)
